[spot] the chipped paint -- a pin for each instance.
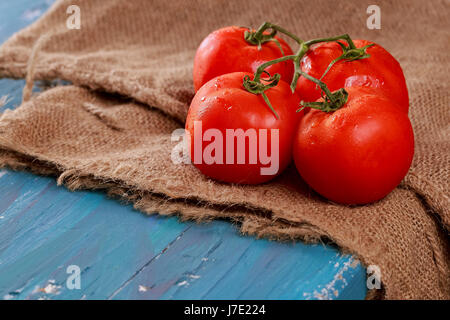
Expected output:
(31, 14)
(330, 291)
(3, 101)
(142, 288)
(50, 288)
(183, 283)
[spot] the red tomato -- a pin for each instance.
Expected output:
(226, 51)
(262, 147)
(380, 70)
(357, 154)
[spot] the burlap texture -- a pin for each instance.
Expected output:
(144, 51)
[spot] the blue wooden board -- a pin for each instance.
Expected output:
(123, 254)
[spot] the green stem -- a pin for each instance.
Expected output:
(321, 84)
(296, 58)
(267, 64)
(345, 37)
(332, 100)
(267, 25)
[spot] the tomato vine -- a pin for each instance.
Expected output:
(332, 101)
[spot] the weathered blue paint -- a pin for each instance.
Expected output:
(211, 262)
(48, 228)
(18, 14)
(123, 254)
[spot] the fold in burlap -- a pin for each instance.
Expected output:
(144, 51)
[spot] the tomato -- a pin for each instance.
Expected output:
(380, 70)
(226, 51)
(234, 135)
(357, 154)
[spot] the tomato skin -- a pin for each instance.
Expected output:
(226, 51)
(223, 103)
(357, 154)
(380, 70)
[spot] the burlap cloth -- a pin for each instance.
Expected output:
(142, 51)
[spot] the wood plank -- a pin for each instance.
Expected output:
(47, 228)
(213, 261)
(126, 255)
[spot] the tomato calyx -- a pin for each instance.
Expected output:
(349, 54)
(330, 103)
(259, 37)
(258, 87)
(258, 40)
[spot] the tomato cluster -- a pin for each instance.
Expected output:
(352, 140)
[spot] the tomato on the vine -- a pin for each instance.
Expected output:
(357, 154)
(226, 50)
(234, 136)
(379, 70)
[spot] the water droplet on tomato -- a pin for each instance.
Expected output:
(314, 124)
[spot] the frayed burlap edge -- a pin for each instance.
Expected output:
(18, 70)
